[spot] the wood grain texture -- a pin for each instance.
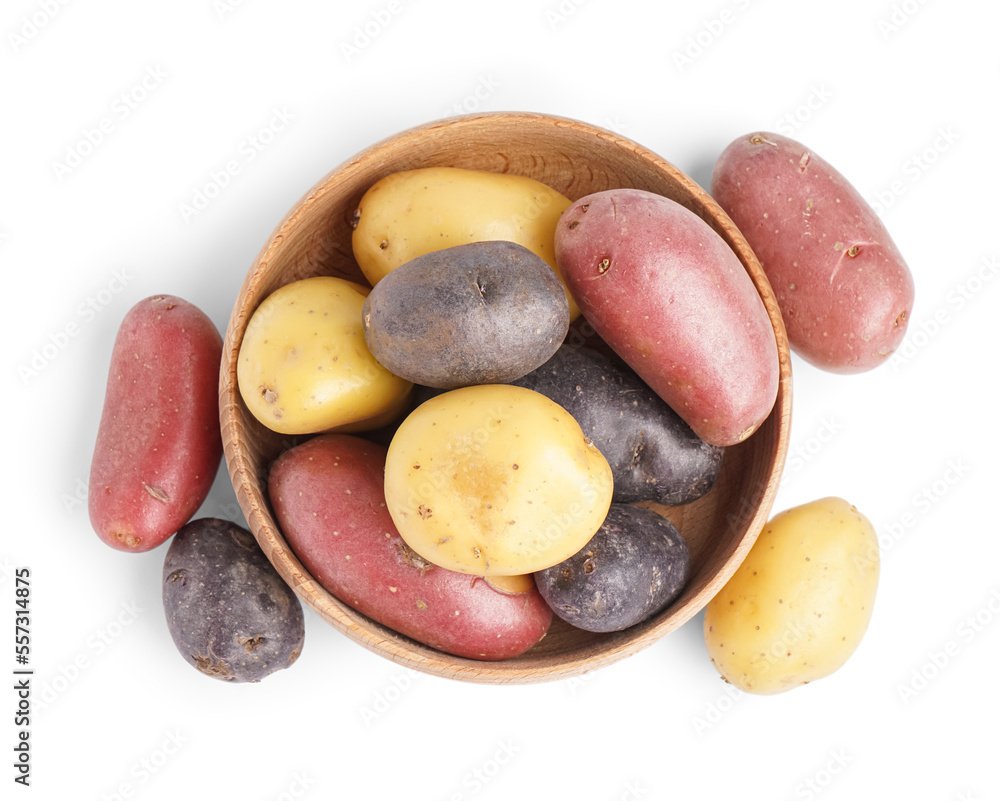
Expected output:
(576, 159)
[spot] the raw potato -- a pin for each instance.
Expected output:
(798, 606)
(670, 297)
(654, 455)
(304, 366)
(484, 313)
(495, 480)
(633, 567)
(159, 444)
(410, 213)
(328, 497)
(229, 612)
(844, 291)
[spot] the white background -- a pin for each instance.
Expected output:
(900, 96)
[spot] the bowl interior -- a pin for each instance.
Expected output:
(576, 159)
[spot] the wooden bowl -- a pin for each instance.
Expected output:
(576, 159)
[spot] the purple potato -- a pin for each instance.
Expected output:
(481, 313)
(654, 455)
(633, 567)
(231, 615)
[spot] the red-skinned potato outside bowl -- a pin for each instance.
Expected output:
(843, 287)
(158, 445)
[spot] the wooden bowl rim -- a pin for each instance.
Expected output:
(390, 644)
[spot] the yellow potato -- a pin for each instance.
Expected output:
(798, 606)
(495, 480)
(304, 366)
(410, 213)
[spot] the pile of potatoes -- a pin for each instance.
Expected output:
(507, 491)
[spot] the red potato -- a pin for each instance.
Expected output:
(670, 297)
(159, 444)
(844, 291)
(329, 500)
